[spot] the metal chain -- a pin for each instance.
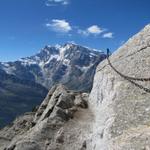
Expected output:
(125, 76)
(130, 79)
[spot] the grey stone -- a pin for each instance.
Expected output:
(121, 108)
(45, 127)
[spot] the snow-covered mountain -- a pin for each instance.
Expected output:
(70, 64)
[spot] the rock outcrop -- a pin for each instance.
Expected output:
(61, 122)
(116, 115)
(121, 107)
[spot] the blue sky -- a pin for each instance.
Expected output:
(28, 25)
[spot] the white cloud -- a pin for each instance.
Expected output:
(62, 26)
(56, 2)
(93, 30)
(108, 35)
(59, 26)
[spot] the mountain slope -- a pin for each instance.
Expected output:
(17, 96)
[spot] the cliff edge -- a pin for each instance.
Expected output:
(122, 106)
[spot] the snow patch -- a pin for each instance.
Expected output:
(28, 62)
(5, 64)
(51, 58)
(85, 68)
(62, 51)
(66, 62)
(9, 70)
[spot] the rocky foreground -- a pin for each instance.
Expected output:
(115, 116)
(61, 122)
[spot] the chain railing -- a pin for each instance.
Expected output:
(128, 78)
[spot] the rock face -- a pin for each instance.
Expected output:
(116, 115)
(121, 108)
(61, 122)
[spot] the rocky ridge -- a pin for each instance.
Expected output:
(58, 123)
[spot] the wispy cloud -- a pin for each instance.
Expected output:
(56, 2)
(92, 30)
(63, 26)
(108, 35)
(58, 25)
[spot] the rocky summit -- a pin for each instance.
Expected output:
(115, 116)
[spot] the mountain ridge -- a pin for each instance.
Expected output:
(54, 64)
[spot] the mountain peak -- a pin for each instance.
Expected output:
(56, 64)
(68, 45)
(66, 49)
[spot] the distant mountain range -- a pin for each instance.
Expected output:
(24, 83)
